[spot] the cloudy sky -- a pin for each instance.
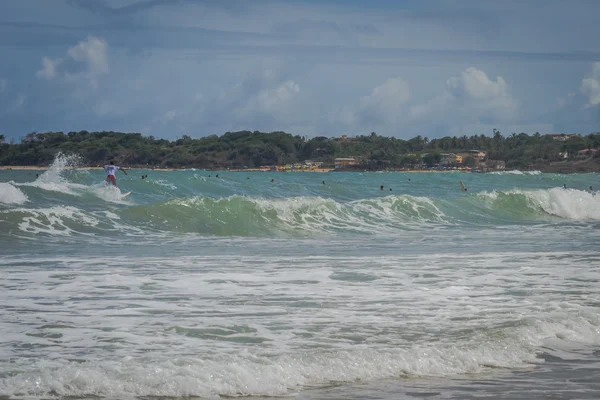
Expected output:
(400, 68)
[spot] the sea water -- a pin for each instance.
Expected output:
(205, 286)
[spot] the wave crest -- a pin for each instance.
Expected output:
(11, 195)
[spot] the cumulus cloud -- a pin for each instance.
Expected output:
(471, 97)
(476, 84)
(488, 98)
(92, 52)
(590, 86)
(273, 100)
(49, 66)
(387, 103)
(87, 60)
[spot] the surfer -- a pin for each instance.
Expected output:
(111, 169)
(462, 186)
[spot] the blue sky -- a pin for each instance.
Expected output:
(200, 67)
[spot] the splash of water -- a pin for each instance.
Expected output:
(11, 195)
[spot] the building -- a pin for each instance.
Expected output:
(586, 153)
(477, 155)
(343, 162)
(492, 165)
(310, 163)
(449, 159)
(562, 137)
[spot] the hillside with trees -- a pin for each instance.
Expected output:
(247, 149)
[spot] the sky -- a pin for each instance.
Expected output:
(169, 68)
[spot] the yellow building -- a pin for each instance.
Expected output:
(458, 159)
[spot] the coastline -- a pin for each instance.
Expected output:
(317, 170)
(556, 168)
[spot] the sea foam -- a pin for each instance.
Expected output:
(11, 195)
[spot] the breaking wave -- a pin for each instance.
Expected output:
(11, 195)
(239, 215)
(567, 204)
(248, 216)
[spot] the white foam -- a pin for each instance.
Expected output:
(424, 315)
(250, 374)
(162, 182)
(54, 221)
(11, 195)
(367, 215)
(566, 203)
(516, 172)
(108, 193)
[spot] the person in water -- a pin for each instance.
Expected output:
(111, 170)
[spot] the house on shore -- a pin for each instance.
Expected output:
(339, 163)
(586, 153)
(492, 165)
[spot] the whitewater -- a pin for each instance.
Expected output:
(313, 286)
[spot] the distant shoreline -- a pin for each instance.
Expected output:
(558, 168)
(317, 170)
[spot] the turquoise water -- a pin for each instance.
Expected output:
(238, 286)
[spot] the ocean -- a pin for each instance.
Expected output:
(314, 286)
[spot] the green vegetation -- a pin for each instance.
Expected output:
(254, 149)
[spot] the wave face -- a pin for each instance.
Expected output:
(67, 201)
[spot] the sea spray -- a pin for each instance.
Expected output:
(55, 179)
(11, 195)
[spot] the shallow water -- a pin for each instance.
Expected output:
(203, 286)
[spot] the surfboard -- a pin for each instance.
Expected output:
(125, 195)
(462, 187)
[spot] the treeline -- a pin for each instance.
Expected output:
(254, 149)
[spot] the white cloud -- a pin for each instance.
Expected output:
(476, 84)
(17, 103)
(387, 104)
(48, 70)
(470, 97)
(273, 100)
(170, 115)
(92, 52)
(86, 61)
(387, 101)
(590, 86)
